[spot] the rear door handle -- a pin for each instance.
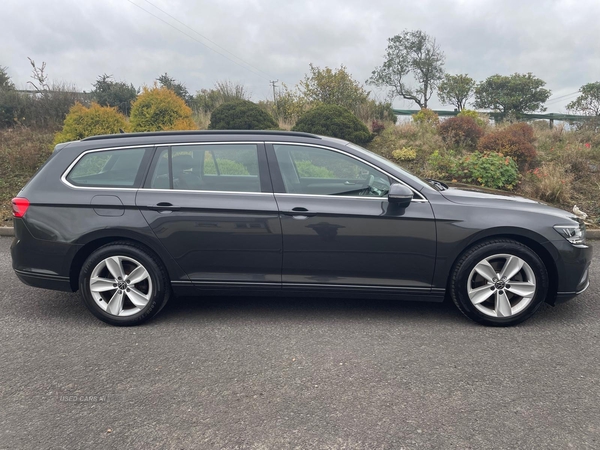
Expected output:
(164, 206)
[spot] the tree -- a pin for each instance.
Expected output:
(412, 53)
(10, 100)
(179, 88)
(332, 87)
(517, 93)
(108, 92)
(6, 83)
(588, 102)
(160, 109)
(290, 104)
(335, 121)
(207, 100)
(241, 115)
(456, 90)
(82, 122)
(52, 102)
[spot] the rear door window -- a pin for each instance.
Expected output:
(110, 168)
(218, 167)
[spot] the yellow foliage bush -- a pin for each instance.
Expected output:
(160, 109)
(404, 154)
(82, 122)
(426, 116)
(480, 118)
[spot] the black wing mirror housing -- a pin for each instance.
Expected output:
(400, 195)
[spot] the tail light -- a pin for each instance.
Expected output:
(19, 206)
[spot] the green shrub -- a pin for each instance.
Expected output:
(108, 92)
(515, 141)
(404, 154)
(335, 121)
(82, 122)
(241, 115)
(371, 110)
(207, 100)
(426, 117)
(442, 165)
(160, 109)
(490, 170)
(11, 108)
(461, 131)
(22, 151)
(477, 117)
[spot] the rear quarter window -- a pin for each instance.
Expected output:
(110, 168)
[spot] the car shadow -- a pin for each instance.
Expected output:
(68, 307)
(305, 309)
(293, 309)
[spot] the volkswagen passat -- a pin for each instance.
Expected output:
(131, 219)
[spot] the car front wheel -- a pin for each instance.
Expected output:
(499, 282)
(123, 284)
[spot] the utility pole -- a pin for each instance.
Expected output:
(273, 83)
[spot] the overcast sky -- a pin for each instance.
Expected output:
(559, 41)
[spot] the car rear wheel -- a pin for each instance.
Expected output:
(499, 282)
(123, 284)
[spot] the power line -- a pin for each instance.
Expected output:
(204, 37)
(552, 100)
(194, 39)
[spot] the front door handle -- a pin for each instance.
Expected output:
(299, 212)
(164, 206)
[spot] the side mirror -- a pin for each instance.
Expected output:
(400, 195)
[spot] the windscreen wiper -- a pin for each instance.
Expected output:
(438, 184)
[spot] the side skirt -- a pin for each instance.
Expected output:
(191, 288)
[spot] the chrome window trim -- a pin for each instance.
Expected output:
(361, 197)
(64, 180)
(210, 143)
(65, 174)
(207, 192)
(421, 199)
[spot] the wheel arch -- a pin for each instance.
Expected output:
(525, 237)
(93, 241)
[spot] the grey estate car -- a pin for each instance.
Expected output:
(131, 219)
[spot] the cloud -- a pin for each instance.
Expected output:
(556, 40)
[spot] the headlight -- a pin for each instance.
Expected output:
(575, 234)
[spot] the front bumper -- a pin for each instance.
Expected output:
(562, 297)
(573, 265)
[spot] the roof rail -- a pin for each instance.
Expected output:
(201, 133)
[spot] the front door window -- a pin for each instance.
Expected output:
(319, 171)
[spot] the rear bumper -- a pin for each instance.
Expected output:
(41, 263)
(44, 281)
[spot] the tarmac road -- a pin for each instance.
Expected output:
(284, 373)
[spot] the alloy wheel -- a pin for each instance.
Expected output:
(501, 285)
(120, 286)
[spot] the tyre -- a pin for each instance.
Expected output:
(499, 282)
(124, 284)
